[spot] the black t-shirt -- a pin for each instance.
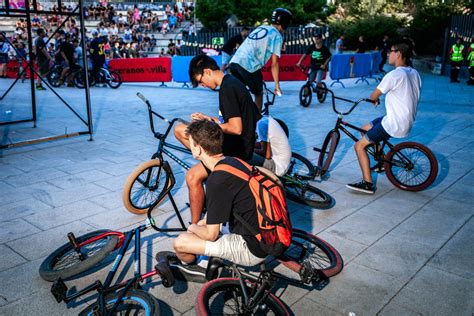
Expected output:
(40, 45)
(230, 45)
(384, 47)
(361, 46)
(97, 50)
(68, 50)
(227, 194)
(235, 101)
(318, 55)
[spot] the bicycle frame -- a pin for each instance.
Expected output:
(163, 145)
(59, 288)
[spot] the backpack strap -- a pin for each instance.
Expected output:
(232, 170)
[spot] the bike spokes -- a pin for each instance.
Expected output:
(411, 166)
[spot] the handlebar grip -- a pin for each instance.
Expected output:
(141, 96)
(370, 100)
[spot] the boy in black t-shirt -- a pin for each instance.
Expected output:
(238, 118)
(240, 246)
(320, 57)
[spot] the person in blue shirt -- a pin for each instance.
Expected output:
(263, 44)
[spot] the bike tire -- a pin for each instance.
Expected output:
(307, 249)
(327, 151)
(137, 197)
(51, 268)
(305, 95)
(426, 162)
(307, 194)
(322, 94)
(135, 302)
(214, 295)
(115, 79)
(300, 166)
(53, 77)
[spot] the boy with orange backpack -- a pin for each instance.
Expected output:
(252, 204)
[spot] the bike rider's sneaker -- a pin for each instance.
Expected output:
(189, 272)
(363, 186)
(40, 87)
(163, 267)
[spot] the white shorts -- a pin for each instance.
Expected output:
(232, 247)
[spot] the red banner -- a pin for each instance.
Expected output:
(12, 69)
(288, 69)
(143, 69)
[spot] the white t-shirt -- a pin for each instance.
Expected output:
(402, 89)
(270, 131)
(258, 48)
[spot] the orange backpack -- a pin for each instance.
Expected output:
(274, 226)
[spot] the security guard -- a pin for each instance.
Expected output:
(470, 59)
(456, 56)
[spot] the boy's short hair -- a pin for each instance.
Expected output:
(197, 66)
(206, 134)
(404, 49)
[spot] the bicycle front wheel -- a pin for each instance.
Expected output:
(224, 296)
(307, 194)
(114, 80)
(65, 262)
(54, 76)
(322, 92)
(411, 166)
(327, 151)
(306, 95)
(300, 167)
(145, 186)
(309, 254)
(134, 302)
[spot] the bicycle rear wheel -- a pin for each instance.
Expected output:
(309, 254)
(134, 302)
(411, 166)
(224, 296)
(307, 194)
(306, 95)
(114, 80)
(327, 151)
(145, 186)
(65, 261)
(54, 76)
(322, 92)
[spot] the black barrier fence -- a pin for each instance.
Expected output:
(296, 40)
(462, 26)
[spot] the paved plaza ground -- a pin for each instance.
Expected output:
(404, 253)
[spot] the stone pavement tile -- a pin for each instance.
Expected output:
(362, 228)
(456, 256)
(328, 186)
(34, 177)
(435, 223)
(393, 206)
(7, 170)
(181, 297)
(14, 229)
(348, 249)
(357, 289)
(396, 257)
(50, 218)
(22, 208)
(9, 258)
(114, 219)
(122, 168)
(79, 179)
(64, 197)
(435, 292)
(393, 309)
(459, 192)
(44, 243)
(38, 191)
(468, 179)
(113, 183)
(5, 186)
(85, 164)
(21, 281)
(41, 302)
(308, 307)
(109, 200)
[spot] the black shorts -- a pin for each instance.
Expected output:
(253, 80)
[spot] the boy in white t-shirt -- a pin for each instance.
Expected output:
(402, 88)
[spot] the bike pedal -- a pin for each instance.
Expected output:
(59, 290)
(317, 149)
(320, 280)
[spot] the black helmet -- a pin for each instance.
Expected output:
(281, 17)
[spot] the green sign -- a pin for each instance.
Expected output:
(217, 41)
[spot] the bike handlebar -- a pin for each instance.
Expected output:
(354, 105)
